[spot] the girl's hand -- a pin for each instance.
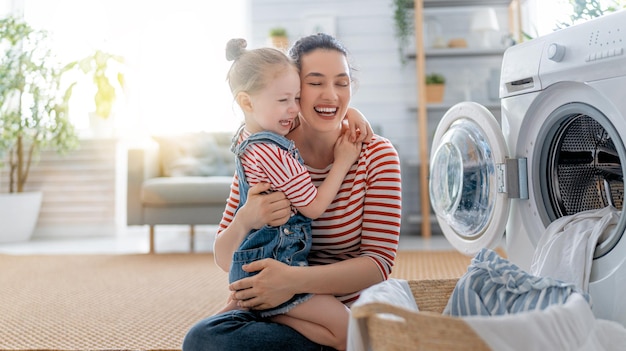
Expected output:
(346, 152)
(359, 128)
(262, 208)
(269, 288)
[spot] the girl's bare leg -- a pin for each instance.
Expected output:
(322, 319)
(231, 305)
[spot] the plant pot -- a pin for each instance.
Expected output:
(434, 93)
(101, 128)
(18, 215)
(280, 43)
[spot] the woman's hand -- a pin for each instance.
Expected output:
(269, 288)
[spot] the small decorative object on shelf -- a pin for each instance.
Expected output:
(485, 22)
(435, 87)
(279, 39)
(457, 43)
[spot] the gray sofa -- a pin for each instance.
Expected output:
(180, 180)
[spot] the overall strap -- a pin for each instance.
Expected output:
(268, 138)
(260, 137)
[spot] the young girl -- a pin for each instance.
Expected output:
(266, 85)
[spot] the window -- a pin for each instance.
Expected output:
(174, 58)
(544, 17)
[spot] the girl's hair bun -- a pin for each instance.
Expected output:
(235, 48)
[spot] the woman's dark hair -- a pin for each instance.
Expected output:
(313, 42)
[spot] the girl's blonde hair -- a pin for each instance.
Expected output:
(253, 69)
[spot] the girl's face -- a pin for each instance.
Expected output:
(326, 89)
(275, 107)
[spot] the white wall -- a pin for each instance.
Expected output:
(386, 87)
(365, 27)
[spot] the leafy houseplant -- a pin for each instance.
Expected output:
(33, 100)
(99, 66)
(278, 36)
(583, 10)
(403, 24)
(278, 32)
(435, 78)
(435, 87)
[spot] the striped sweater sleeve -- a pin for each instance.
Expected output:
(382, 205)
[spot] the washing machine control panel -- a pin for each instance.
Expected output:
(597, 45)
(599, 55)
(556, 52)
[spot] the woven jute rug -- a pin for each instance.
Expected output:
(133, 302)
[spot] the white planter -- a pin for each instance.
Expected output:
(101, 128)
(18, 215)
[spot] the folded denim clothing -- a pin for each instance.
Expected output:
(493, 286)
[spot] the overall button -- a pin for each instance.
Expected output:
(287, 231)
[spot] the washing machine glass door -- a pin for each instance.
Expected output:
(468, 153)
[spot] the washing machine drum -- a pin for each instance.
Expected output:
(583, 168)
(576, 163)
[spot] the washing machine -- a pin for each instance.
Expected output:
(557, 150)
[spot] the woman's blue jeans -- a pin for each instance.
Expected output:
(244, 330)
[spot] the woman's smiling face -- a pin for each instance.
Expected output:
(326, 88)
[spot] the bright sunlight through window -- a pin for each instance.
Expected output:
(175, 66)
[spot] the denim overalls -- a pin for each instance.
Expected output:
(290, 243)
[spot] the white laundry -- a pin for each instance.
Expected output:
(565, 250)
(392, 291)
(570, 326)
(567, 327)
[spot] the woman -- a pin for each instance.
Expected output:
(354, 241)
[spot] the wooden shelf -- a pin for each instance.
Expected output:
(422, 108)
(464, 3)
(458, 52)
(491, 105)
(460, 3)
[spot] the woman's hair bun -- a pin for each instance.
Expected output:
(235, 48)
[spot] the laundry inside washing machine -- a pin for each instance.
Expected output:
(583, 168)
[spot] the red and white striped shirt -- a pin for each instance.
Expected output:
(269, 163)
(364, 217)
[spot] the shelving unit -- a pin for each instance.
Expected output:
(464, 52)
(424, 110)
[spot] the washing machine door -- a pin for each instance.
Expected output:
(467, 178)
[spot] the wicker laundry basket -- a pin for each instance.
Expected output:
(424, 330)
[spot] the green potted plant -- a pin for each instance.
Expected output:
(107, 75)
(403, 24)
(278, 37)
(435, 87)
(33, 115)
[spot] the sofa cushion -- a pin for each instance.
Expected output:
(167, 191)
(196, 154)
